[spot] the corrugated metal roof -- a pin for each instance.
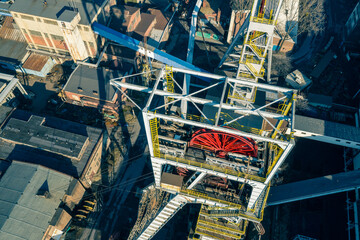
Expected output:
(23, 213)
(7, 31)
(35, 62)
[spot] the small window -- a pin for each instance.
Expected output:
(91, 44)
(57, 37)
(46, 35)
(27, 17)
(50, 22)
(86, 29)
(15, 15)
(95, 92)
(38, 19)
(79, 27)
(35, 33)
(80, 89)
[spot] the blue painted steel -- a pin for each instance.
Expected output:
(5, 12)
(138, 46)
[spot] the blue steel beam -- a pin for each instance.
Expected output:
(316, 187)
(140, 47)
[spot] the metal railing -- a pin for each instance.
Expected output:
(169, 81)
(211, 167)
(262, 20)
(154, 128)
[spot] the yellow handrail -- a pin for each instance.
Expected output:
(169, 81)
(155, 136)
(262, 20)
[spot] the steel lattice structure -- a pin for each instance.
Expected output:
(222, 150)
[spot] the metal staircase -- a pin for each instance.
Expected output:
(257, 41)
(163, 216)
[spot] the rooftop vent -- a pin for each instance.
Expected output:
(44, 190)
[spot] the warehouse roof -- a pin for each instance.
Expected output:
(25, 207)
(35, 133)
(48, 155)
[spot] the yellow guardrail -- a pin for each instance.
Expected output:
(238, 96)
(207, 197)
(261, 53)
(211, 167)
(155, 136)
(262, 20)
(169, 81)
(253, 70)
(211, 230)
(221, 226)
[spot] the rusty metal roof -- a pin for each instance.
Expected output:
(35, 62)
(8, 31)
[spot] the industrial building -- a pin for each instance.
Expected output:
(151, 25)
(60, 28)
(14, 54)
(67, 147)
(90, 87)
(10, 88)
(35, 201)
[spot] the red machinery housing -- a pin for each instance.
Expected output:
(222, 143)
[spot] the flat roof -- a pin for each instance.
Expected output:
(54, 8)
(53, 160)
(95, 82)
(327, 128)
(35, 133)
(172, 179)
(12, 52)
(23, 213)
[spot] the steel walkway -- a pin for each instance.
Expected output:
(326, 131)
(316, 187)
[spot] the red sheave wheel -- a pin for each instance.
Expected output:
(222, 143)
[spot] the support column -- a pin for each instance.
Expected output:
(157, 169)
(197, 180)
(255, 194)
(356, 222)
(270, 59)
(231, 27)
(22, 89)
(282, 158)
